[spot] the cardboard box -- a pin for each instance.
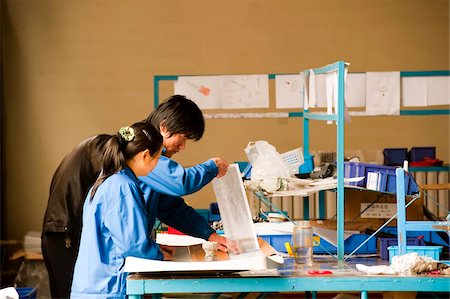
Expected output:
(383, 205)
(372, 206)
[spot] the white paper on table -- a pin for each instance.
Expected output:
(355, 90)
(254, 261)
(288, 91)
(383, 93)
(205, 91)
(178, 240)
(312, 89)
(438, 88)
(245, 91)
(414, 91)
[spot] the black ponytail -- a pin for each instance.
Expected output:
(123, 146)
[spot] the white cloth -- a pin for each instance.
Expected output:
(400, 265)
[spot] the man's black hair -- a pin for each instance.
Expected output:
(179, 115)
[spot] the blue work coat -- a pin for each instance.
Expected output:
(171, 178)
(118, 221)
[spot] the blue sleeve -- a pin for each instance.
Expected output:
(171, 178)
(129, 228)
(174, 212)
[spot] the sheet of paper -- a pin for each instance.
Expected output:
(245, 91)
(331, 88)
(304, 85)
(383, 93)
(414, 91)
(355, 90)
(178, 240)
(205, 91)
(321, 91)
(234, 209)
(288, 91)
(255, 261)
(312, 89)
(438, 88)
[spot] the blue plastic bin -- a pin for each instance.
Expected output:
(27, 293)
(350, 244)
(386, 242)
(387, 181)
(395, 156)
(431, 251)
(308, 165)
(420, 153)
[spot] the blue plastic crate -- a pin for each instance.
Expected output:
(427, 236)
(420, 153)
(387, 178)
(350, 244)
(431, 251)
(395, 156)
(26, 293)
(386, 242)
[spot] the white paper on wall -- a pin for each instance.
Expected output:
(355, 90)
(438, 88)
(321, 91)
(205, 91)
(245, 91)
(304, 84)
(312, 98)
(414, 91)
(289, 91)
(383, 93)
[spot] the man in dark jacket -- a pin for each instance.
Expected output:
(179, 119)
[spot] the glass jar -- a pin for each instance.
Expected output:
(303, 243)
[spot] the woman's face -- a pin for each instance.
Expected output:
(143, 163)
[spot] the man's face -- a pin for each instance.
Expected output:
(173, 143)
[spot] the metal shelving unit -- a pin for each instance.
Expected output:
(338, 67)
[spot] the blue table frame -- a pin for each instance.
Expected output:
(292, 278)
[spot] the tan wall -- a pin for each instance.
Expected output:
(78, 68)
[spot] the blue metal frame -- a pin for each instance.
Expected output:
(136, 288)
(402, 225)
(338, 66)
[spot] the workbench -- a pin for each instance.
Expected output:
(289, 279)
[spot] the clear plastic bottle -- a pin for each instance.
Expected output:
(303, 243)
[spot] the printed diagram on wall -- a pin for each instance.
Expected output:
(205, 91)
(438, 90)
(383, 93)
(289, 91)
(355, 90)
(245, 91)
(225, 92)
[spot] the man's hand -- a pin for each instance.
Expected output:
(224, 244)
(222, 165)
(167, 252)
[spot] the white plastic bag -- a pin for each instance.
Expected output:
(267, 165)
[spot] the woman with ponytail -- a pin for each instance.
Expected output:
(115, 214)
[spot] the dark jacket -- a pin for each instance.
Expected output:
(70, 185)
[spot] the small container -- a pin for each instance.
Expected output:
(303, 243)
